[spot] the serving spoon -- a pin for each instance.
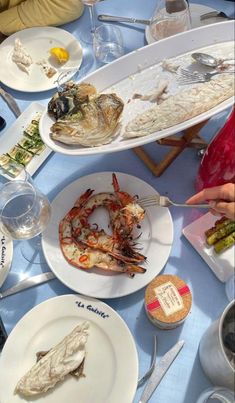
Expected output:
(208, 60)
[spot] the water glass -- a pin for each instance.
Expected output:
(87, 36)
(169, 18)
(108, 43)
(216, 395)
(24, 213)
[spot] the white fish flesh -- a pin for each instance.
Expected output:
(62, 359)
(21, 57)
(182, 106)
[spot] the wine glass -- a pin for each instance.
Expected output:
(169, 18)
(87, 36)
(24, 214)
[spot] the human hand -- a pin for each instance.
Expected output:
(221, 199)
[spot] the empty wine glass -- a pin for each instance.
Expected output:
(87, 36)
(24, 214)
(169, 18)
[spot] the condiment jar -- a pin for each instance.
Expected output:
(168, 300)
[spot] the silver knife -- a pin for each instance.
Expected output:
(113, 18)
(10, 102)
(213, 14)
(27, 283)
(159, 371)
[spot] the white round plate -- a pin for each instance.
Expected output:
(155, 241)
(6, 253)
(38, 42)
(109, 376)
(196, 11)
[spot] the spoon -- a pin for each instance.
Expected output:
(208, 60)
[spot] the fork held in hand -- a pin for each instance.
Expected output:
(187, 77)
(163, 201)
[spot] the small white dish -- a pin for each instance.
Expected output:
(222, 265)
(15, 132)
(110, 376)
(38, 42)
(6, 254)
(155, 240)
(196, 11)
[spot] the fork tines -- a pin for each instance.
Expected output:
(186, 77)
(150, 201)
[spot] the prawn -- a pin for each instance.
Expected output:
(86, 258)
(82, 232)
(129, 215)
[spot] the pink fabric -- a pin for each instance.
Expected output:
(218, 164)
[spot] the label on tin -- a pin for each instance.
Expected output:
(169, 298)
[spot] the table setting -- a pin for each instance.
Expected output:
(111, 289)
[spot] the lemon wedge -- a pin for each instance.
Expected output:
(61, 54)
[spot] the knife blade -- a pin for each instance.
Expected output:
(27, 283)
(114, 18)
(214, 14)
(10, 102)
(160, 370)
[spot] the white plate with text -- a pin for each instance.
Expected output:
(109, 376)
(6, 254)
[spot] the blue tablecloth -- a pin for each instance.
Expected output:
(185, 379)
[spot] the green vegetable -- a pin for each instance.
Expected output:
(221, 233)
(218, 224)
(224, 243)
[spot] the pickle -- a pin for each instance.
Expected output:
(224, 243)
(221, 233)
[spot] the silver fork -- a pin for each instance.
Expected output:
(186, 77)
(152, 366)
(163, 201)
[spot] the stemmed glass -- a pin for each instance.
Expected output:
(24, 214)
(87, 36)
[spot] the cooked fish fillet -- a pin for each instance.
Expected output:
(20, 56)
(182, 106)
(94, 123)
(65, 357)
